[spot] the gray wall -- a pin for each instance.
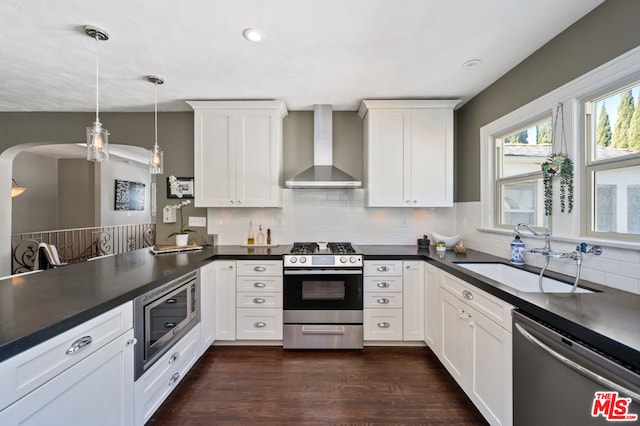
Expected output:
(76, 194)
(608, 31)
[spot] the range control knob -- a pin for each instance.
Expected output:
(303, 259)
(293, 259)
(353, 259)
(343, 259)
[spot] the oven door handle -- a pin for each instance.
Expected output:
(323, 272)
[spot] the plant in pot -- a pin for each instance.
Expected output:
(558, 164)
(182, 235)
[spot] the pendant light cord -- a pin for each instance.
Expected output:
(155, 85)
(97, 81)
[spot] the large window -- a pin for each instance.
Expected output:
(613, 163)
(519, 194)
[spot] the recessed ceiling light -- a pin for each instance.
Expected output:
(253, 34)
(472, 63)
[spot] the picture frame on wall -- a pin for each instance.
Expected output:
(186, 185)
(129, 196)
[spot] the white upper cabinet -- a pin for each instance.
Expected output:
(408, 152)
(238, 153)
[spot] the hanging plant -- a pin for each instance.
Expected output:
(558, 164)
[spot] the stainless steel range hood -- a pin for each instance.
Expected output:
(323, 174)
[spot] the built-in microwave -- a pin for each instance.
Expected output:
(162, 316)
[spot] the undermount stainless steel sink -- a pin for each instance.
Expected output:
(520, 279)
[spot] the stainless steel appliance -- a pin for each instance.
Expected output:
(322, 297)
(559, 380)
(162, 316)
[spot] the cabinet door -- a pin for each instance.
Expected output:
(387, 132)
(96, 391)
(259, 154)
(490, 381)
(455, 337)
(413, 304)
(207, 304)
(225, 300)
(431, 157)
(432, 308)
(215, 159)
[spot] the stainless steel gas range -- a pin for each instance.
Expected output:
(323, 297)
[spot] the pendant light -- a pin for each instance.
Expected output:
(155, 155)
(16, 189)
(97, 136)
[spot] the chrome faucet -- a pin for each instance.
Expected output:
(546, 251)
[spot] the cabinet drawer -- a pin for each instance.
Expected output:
(259, 324)
(375, 284)
(494, 308)
(259, 300)
(26, 371)
(263, 268)
(382, 268)
(153, 387)
(383, 300)
(259, 284)
(382, 324)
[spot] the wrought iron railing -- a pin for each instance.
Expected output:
(80, 244)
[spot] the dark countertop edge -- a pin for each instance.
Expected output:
(625, 354)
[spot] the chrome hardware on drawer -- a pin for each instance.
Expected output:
(132, 341)
(467, 294)
(79, 344)
(174, 357)
(383, 268)
(259, 285)
(260, 324)
(174, 379)
(383, 284)
(384, 325)
(258, 300)
(383, 300)
(259, 269)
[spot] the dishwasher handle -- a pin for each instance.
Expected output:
(595, 377)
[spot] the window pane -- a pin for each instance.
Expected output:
(523, 151)
(605, 208)
(633, 209)
(520, 203)
(617, 124)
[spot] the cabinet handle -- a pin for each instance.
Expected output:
(174, 379)
(383, 268)
(132, 341)
(230, 201)
(171, 301)
(170, 324)
(79, 344)
(260, 324)
(415, 201)
(383, 300)
(231, 267)
(258, 300)
(259, 285)
(408, 201)
(384, 325)
(408, 267)
(383, 284)
(239, 202)
(259, 269)
(467, 294)
(174, 357)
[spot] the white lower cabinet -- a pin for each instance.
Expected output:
(153, 387)
(413, 300)
(84, 375)
(476, 350)
(207, 305)
(259, 300)
(432, 308)
(382, 301)
(225, 300)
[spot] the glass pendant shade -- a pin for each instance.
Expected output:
(97, 143)
(156, 160)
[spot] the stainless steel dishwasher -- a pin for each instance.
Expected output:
(557, 380)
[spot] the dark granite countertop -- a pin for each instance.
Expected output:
(36, 307)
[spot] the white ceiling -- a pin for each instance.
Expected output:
(315, 51)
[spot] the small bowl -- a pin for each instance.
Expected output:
(449, 242)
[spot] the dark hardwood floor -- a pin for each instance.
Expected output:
(271, 386)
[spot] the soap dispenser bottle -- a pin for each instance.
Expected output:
(517, 251)
(260, 236)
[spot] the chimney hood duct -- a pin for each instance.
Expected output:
(323, 174)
